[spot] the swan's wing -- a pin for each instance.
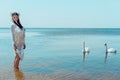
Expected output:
(86, 49)
(111, 50)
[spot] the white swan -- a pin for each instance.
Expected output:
(110, 50)
(85, 49)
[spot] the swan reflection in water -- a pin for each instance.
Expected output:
(18, 74)
(106, 56)
(85, 51)
(84, 56)
(109, 51)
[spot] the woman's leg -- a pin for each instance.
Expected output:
(16, 61)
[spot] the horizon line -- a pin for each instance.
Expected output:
(61, 27)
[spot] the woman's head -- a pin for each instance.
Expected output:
(15, 18)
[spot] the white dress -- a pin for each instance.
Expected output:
(19, 39)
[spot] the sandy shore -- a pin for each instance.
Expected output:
(57, 75)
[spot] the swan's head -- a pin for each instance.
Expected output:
(105, 44)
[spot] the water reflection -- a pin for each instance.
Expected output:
(84, 56)
(85, 51)
(106, 56)
(18, 74)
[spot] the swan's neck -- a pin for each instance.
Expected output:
(106, 48)
(84, 46)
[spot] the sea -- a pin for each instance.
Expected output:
(59, 50)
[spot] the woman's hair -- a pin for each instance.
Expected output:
(18, 21)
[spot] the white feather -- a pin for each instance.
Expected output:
(86, 50)
(111, 50)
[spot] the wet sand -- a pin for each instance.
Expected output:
(57, 75)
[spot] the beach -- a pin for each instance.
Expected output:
(56, 54)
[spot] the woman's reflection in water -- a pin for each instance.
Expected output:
(18, 74)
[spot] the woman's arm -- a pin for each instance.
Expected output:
(13, 37)
(12, 31)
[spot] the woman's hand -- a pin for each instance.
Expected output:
(15, 47)
(24, 46)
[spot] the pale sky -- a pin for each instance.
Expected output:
(62, 13)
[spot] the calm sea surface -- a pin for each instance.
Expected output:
(50, 50)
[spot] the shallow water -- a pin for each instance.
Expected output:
(54, 52)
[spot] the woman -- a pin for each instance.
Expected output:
(18, 35)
